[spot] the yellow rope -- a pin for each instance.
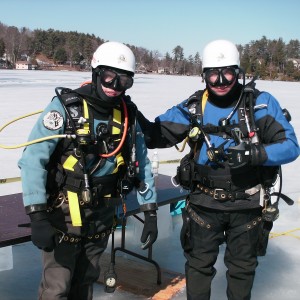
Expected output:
(171, 161)
(9, 180)
(286, 233)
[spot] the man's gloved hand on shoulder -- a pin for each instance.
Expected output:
(43, 235)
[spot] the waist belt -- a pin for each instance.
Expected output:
(98, 200)
(104, 184)
(223, 195)
(226, 178)
(73, 239)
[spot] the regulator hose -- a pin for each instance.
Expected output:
(69, 136)
(33, 141)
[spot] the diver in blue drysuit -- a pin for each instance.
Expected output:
(226, 172)
(71, 187)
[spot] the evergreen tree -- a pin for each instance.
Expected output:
(2, 47)
(60, 56)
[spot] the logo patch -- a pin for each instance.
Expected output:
(53, 120)
(220, 57)
(122, 59)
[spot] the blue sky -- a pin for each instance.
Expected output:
(160, 24)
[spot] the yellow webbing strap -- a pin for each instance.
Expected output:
(70, 163)
(120, 162)
(204, 100)
(117, 118)
(74, 209)
(86, 125)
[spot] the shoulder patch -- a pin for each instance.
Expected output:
(53, 120)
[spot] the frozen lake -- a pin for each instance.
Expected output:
(23, 92)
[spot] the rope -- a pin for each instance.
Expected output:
(272, 234)
(171, 161)
(286, 233)
(16, 179)
(9, 180)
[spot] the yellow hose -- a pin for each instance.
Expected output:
(19, 118)
(33, 141)
(183, 145)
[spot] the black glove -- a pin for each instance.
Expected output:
(43, 235)
(243, 154)
(150, 231)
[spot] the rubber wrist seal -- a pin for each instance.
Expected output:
(29, 209)
(149, 206)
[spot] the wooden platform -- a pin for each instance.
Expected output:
(139, 277)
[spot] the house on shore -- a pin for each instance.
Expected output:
(25, 65)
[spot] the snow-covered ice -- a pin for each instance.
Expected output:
(23, 92)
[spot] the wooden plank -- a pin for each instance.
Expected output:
(139, 277)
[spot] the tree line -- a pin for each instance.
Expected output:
(265, 58)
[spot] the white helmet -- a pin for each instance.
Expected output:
(114, 54)
(220, 53)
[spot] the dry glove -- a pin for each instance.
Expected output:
(150, 231)
(246, 154)
(43, 235)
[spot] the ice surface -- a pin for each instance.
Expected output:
(23, 92)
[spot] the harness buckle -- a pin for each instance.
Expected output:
(61, 235)
(216, 193)
(58, 202)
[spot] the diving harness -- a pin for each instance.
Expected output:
(246, 132)
(81, 135)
